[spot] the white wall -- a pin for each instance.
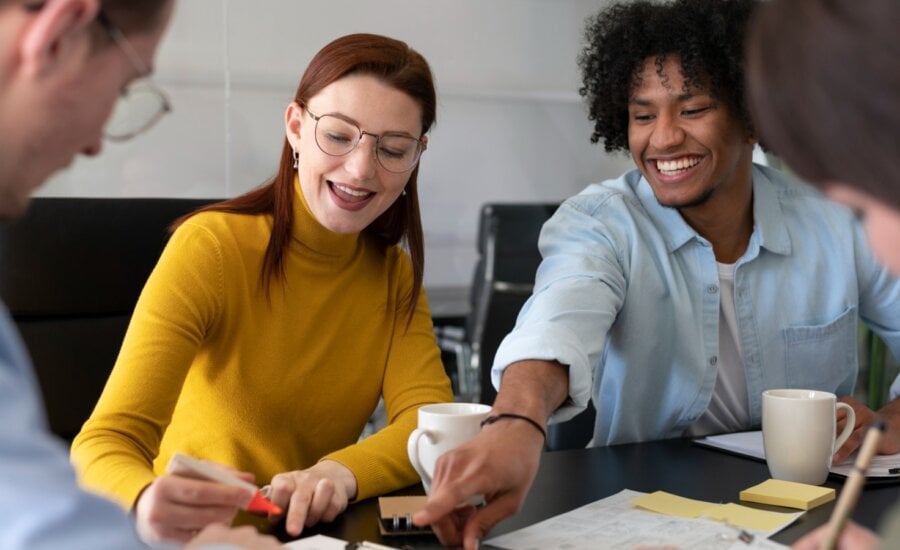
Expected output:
(511, 126)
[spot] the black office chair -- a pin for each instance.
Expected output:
(71, 271)
(503, 281)
(574, 433)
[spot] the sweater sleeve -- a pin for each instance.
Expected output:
(413, 376)
(115, 449)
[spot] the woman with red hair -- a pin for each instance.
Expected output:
(274, 322)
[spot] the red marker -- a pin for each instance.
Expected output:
(191, 467)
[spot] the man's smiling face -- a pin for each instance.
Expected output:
(688, 145)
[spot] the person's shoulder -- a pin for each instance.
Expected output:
(604, 197)
(214, 219)
(380, 256)
(396, 256)
(796, 193)
(787, 185)
(229, 233)
(228, 224)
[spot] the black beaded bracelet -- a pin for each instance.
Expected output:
(501, 416)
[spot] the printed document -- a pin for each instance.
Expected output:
(614, 522)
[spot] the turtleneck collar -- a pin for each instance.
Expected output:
(314, 236)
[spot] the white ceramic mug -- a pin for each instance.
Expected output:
(442, 426)
(798, 433)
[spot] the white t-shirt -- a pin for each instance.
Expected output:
(729, 409)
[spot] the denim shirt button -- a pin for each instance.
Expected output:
(712, 289)
(713, 360)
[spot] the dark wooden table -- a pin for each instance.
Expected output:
(569, 479)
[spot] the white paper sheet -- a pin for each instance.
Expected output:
(613, 522)
(317, 542)
(751, 444)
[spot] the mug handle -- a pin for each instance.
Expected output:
(848, 427)
(412, 449)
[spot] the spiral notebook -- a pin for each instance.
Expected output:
(395, 515)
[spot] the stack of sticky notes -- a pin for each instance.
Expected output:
(788, 493)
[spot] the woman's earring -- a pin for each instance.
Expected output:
(296, 159)
(404, 192)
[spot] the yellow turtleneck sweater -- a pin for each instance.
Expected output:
(212, 368)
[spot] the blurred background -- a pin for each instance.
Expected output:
(511, 126)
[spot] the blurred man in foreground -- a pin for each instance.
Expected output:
(827, 70)
(63, 66)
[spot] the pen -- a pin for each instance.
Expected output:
(853, 486)
(186, 465)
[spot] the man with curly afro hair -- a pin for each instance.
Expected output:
(674, 295)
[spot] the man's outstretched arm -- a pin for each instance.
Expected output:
(500, 462)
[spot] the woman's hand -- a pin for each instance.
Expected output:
(316, 494)
(174, 508)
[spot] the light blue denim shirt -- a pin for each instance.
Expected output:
(41, 505)
(627, 295)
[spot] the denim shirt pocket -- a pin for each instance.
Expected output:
(821, 357)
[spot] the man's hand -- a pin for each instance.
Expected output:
(312, 495)
(890, 440)
(499, 463)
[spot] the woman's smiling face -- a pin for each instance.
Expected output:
(347, 193)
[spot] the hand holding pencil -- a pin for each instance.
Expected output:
(854, 536)
(838, 527)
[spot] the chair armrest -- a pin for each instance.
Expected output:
(452, 339)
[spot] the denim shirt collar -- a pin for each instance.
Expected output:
(769, 227)
(768, 214)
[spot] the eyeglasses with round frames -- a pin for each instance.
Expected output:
(337, 137)
(141, 104)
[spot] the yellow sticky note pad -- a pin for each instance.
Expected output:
(788, 493)
(673, 505)
(750, 518)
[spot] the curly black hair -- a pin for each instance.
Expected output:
(708, 35)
